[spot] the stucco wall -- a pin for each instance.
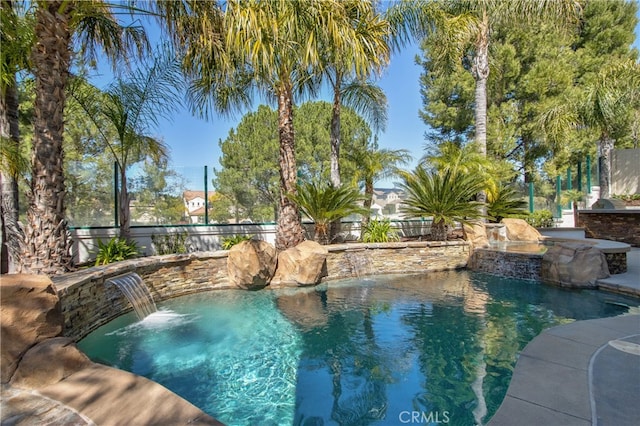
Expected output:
(87, 302)
(625, 172)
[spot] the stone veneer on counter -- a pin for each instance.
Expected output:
(614, 225)
(87, 302)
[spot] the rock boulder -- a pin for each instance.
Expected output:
(576, 265)
(302, 265)
(475, 232)
(30, 314)
(49, 362)
(520, 230)
(251, 264)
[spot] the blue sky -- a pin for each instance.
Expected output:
(193, 142)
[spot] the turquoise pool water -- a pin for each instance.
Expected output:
(389, 350)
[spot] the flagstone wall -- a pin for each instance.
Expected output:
(89, 301)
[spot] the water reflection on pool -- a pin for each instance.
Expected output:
(526, 247)
(377, 351)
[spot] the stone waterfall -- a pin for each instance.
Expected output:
(136, 292)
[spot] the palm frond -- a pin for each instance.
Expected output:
(446, 197)
(95, 25)
(369, 100)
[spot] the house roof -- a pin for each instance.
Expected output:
(190, 195)
(197, 212)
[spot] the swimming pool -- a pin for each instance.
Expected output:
(439, 348)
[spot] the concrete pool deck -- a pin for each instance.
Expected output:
(583, 373)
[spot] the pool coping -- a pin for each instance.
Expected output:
(556, 376)
(537, 393)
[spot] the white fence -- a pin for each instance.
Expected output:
(210, 237)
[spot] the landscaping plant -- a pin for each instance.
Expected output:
(447, 197)
(326, 203)
(505, 201)
(170, 243)
(228, 242)
(540, 219)
(115, 250)
(379, 231)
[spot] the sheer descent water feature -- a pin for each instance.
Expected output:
(136, 292)
(359, 263)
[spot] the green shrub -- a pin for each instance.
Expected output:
(540, 219)
(115, 250)
(627, 197)
(170, 243)
(505, 201)
(228, 242)
(325, 203)
(379, 231)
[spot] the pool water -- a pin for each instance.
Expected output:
(429, 349)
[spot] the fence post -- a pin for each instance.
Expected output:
(530, 197)
(569, 185)
(558, 202)
(115, 193)
(588, 174)
(206, 198)
(579, 177)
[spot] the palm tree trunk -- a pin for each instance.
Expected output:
(335, 133)
(321, 233)
(368, 200)
(481, 75)
(439, 231)
(289, 231)
(606, 146)
(124, 201)
(12, 236)
(47, 243)
(335, 147)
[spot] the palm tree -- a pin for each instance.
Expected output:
(349, 84)
(376, 164)
(47, 246)
(465, 29)
(132, 108)
(364, 97)
(608, 105)
(446, 197)
(325, 204)
(15, 37)
(466, 159)
(505, 201)
(272, 48)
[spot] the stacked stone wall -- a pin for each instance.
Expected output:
(614, 225)
(87, 302)
(352, 260)
(506, 264)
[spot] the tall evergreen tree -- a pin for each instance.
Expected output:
(249, 175)
(534, 70)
